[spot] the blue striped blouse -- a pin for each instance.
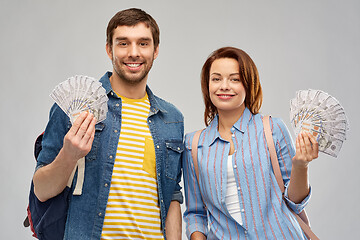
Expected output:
(263, 210)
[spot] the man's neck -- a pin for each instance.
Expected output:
(132, 91)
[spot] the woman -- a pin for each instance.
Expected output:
(236, 180)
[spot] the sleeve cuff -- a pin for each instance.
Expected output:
(39, 166)
(297, 207)
(178, 196)
(196, 228)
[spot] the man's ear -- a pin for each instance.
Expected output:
(156, 53)
(108, 48)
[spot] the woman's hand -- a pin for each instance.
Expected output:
(307, 149)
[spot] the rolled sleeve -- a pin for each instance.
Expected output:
(196, 227)
(177, 196)
(296, 207)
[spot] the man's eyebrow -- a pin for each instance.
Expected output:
(140, 39)
(121, 38)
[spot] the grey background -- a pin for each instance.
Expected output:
(296, 45)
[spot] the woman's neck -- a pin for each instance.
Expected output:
(227, 119)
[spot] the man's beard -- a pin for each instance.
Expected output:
(126, 77)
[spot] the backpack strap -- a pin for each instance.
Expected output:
(194, 150)
(275, 164)
(80, 165)
(273, 156)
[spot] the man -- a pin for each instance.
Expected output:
(132, 171)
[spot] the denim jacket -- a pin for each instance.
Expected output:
(86, 212)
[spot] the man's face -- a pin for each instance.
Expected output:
(132, 53)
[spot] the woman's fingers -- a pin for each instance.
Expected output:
(315, 146)
(307, 147)
(303, 145)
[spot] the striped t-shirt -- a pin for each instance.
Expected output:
(133, 210)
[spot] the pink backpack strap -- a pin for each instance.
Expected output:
(304, 223)
(194, 151)
(273, 156)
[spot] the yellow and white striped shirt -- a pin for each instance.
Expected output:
(133, 210)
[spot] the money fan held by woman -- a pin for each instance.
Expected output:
(237, 184)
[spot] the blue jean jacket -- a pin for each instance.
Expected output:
(86, 212)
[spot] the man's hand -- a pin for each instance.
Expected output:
(78, 141)
(51, 179)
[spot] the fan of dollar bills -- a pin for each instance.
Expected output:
(81, 93)
(323, 116)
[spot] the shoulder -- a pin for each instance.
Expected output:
(170, 110)
(56, 113)
(278, 125)
(200, 134)
(188, 139)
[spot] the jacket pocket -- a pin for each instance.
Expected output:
(93, 152)
(174, 148)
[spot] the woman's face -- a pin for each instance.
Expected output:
(226, 90)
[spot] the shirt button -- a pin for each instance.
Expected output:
(115, 130)
(245, 232)
(100, 214)
(157, 146)
(110, 156)
(235, 150)
(235, 166)
(117, 104)
(106, 185)
(232, 129)
(149, 121)
(178, 149)
(233, 135)
(242, 210)
(112, 93)
(239, 188)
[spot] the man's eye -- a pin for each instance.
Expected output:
(143, 44)
(122, 44)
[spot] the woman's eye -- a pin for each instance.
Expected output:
(215, 79)
(235, 79)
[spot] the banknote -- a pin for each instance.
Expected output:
(322, 115)
(81, 93)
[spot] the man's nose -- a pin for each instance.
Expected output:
(134, 51)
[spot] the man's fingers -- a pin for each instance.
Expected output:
(90, 132)
(76, 125)
(84, 126)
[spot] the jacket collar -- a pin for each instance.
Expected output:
(212, 132)
(154, 103)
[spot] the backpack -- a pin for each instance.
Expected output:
(47, 219)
